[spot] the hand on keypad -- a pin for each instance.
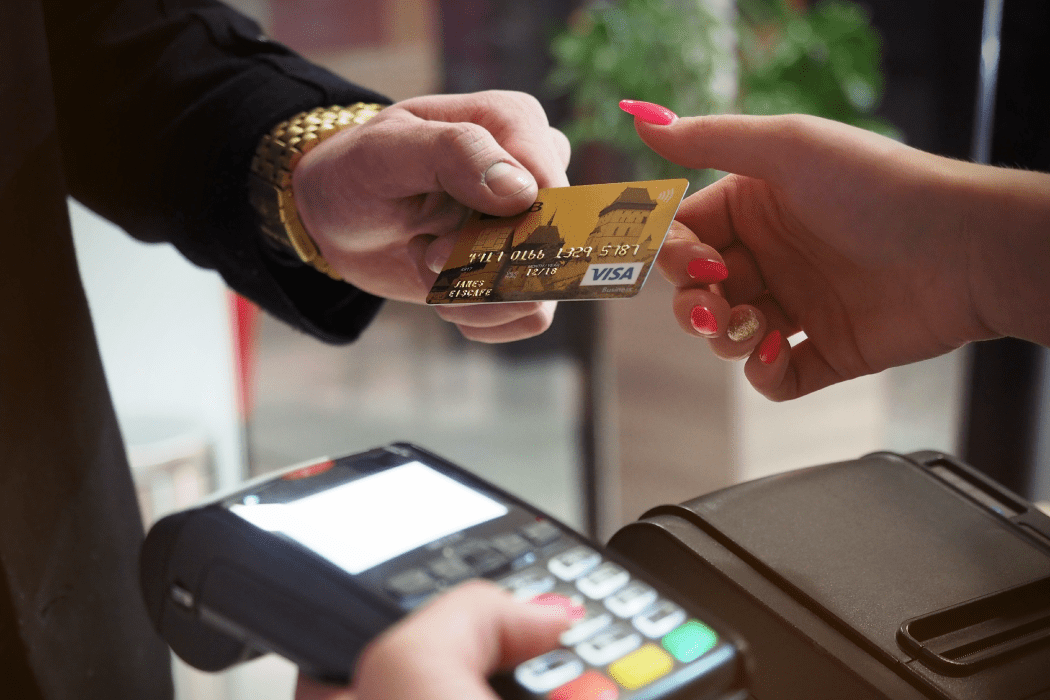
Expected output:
(625, 636)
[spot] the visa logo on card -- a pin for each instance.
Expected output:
(612, 273)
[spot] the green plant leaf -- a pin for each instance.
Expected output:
(823, 61)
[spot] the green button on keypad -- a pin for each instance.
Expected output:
(690, 641)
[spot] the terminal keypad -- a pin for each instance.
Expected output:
(624, 635)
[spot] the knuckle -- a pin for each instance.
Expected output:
(536, 323)
(678, 233)
(795, 128)
(371, 167)
(561, 142)
(510, 107)
(465, 140)
(529, 104)
(706, 128)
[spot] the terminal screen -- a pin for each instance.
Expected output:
(362, 523)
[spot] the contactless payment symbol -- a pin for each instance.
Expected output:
(666, 196)
(584, 242)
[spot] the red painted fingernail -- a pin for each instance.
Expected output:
(572, 608)
(648, 112)
(707, 271)
(769, 350)
(703, 320)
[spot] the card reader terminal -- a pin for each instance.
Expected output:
(316, 561)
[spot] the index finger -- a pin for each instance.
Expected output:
(742, 144)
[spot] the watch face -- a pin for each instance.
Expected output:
(270, 187)
(293, 227)
(303, 245)
(279, 222)
(263, 196)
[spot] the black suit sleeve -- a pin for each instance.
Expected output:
(160, 106)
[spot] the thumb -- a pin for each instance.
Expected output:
(461, 158)
(493, 630)
(471, 166)
(450, 647)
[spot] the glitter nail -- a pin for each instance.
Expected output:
(742, 324)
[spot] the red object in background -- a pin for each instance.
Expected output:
(245, 316)
(308, 471)
(330, 25)
(590, 686)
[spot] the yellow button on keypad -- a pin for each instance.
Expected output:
(641, 667)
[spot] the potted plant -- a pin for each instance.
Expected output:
(711, 56)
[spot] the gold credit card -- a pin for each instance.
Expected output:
(583, 242)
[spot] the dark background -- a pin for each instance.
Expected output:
(931, 62)
(931, 57)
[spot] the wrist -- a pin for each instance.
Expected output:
(276, 157)
(1007, 227)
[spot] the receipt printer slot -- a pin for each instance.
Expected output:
(888, 577)
(963, 638)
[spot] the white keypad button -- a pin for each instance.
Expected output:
(528, 583)
(573, 563)
(594, 620)
(609, 645)
(631, 599)
(659, 619)
(547, 672)
(603, 581)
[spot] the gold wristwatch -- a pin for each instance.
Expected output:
(271, 175)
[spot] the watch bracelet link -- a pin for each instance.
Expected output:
(277, 155)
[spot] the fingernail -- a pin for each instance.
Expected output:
(742, 324)
(438, 253)
(703, 320)
(769, 350)
(648, 112)
(572, 609)
(707, 271)
(505, 180)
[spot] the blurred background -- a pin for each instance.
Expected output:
(614, 410)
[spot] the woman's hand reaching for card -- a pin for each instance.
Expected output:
(879, 253)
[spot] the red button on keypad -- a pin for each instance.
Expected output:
(590, 686)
